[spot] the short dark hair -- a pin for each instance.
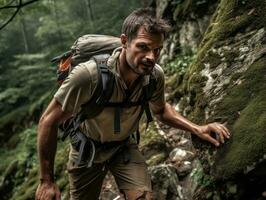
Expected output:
(145, 17)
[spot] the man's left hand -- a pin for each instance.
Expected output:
(204, 132)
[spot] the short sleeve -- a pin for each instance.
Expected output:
(78, 87)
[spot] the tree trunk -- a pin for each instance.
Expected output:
(90, 13)
(56, 16)
(24, 34)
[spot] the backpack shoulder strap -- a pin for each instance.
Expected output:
(102, 93)
(148, 91)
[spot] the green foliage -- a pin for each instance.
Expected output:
(150, 135)
(27, 79)
(179, 65)
(17, 163)
(19, 167)
(9, 95)
(36, 35)
(202, 179)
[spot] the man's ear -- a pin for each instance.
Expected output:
(123, 38)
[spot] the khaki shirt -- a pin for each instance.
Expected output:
(79, 86)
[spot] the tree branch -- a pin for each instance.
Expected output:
(17, 7)
(10, 19)
(8, 4)
(20, 5)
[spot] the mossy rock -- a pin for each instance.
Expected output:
(246, 110)
(185, 7)
(230, 18)
(243, 105)
(156, 159)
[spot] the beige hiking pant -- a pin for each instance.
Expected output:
(85, 183)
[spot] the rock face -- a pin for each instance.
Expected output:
(225, 83)
(232, 64)
(174, 179)
(190, 20)
(165, 182)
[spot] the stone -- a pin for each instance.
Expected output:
(155, 159)
(179, 155)
(183, 168)
(165, 182)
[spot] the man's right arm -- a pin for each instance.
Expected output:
(47, 143)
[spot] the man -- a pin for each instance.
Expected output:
(142, 39)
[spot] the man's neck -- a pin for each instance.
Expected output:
(127, 74)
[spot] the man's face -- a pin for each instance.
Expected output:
(143, 51)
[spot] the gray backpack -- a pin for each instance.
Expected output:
(83, 49)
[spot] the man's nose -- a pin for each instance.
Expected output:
(150, 56)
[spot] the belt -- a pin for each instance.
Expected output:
(86, 147)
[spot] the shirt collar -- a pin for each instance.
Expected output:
(113, 64)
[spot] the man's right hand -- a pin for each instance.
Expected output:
(47, 190)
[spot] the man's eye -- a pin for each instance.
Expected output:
(157, 51)
(143, 47)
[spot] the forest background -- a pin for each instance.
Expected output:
(214, 62)
(40, 31)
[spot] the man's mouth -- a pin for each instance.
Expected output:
(148, 65)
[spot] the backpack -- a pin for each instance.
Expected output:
(99, 48)
(84, 48)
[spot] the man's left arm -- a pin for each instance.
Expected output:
(168, 115)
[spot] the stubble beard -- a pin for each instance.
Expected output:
(141, 71)
(143, 68)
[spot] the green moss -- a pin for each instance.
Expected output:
(213, 59)
(248, 142)
(182, 8)
(156, 159)
(172, 80)
(242, 104)
(149, 136)
(239, 95)
(202, 179)
(173, 83)
(194, 116)
(196, 83)
(246, 111)
(229, 19)
(152, 145)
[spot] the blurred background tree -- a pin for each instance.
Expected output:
(42, 30)
(37, 32)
